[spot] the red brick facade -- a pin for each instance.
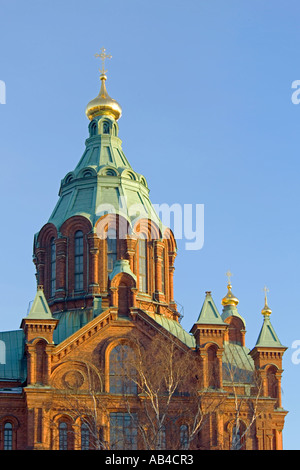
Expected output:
(108, 364)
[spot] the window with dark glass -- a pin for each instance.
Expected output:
(123, 431)
(8, 431)
(111, 250)
(52, 267)
(121, 371)
(161, 441)
(143, 265)
(184, 436)
(63, 436)
(85, 437)
(78, 258)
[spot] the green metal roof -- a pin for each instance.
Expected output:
(175, 328)
(40, 309)
(209, 314)
(103, 182)
(267, 336)
(12, 360)
(238, 365)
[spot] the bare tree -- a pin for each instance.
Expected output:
(173, 407)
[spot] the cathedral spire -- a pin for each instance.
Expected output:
(103, 104)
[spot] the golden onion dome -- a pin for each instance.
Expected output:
(266, 311)
(229, 298)
(103, 104)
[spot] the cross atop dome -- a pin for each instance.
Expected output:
(103, 56)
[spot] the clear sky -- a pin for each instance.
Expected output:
(205, 87)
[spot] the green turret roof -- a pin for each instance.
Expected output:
(40, 309)
(209, 313)
(267, 336)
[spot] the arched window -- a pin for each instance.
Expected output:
(161, 438)
(272, 382)
(163, 271)
(238, 437)
(93, 129)
(184, 437)
(85, 437)
(105, 127)
(111, 249)
(121, 371)
(78, 259)
(63, 436)
(143, 262)
(234, 330)
(212, 369)
(52, 267)
(8, 434)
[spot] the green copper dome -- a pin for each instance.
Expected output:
(103, 181)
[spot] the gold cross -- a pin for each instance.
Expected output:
(103, 56)
(228, 274)
(265, 289)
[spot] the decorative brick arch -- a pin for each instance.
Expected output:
(236, 330)
(123, 293)
(121, 227)
(42, 256)
(67, 259)
(107, 349)
(77, 222)
(15, 424)
(272, 380)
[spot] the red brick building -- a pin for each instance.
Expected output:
(104, 266)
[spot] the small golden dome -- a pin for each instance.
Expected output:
(266, 311)
(103, 104)
(229, 298)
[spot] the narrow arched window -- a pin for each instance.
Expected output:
(161, 438)
(238, 436)
(105, 127)
(93, 129)
(122, 371)
(184, 437)
(143, 262)
(163, 271)
(111, 249)
(52, 267)
(8, 434)
(85, 437)
(78, 258)
(63, 436)
(272, 382)
(212, 369)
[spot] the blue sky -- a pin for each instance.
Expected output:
(205, 88)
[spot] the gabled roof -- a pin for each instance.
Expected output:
(209, 314)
